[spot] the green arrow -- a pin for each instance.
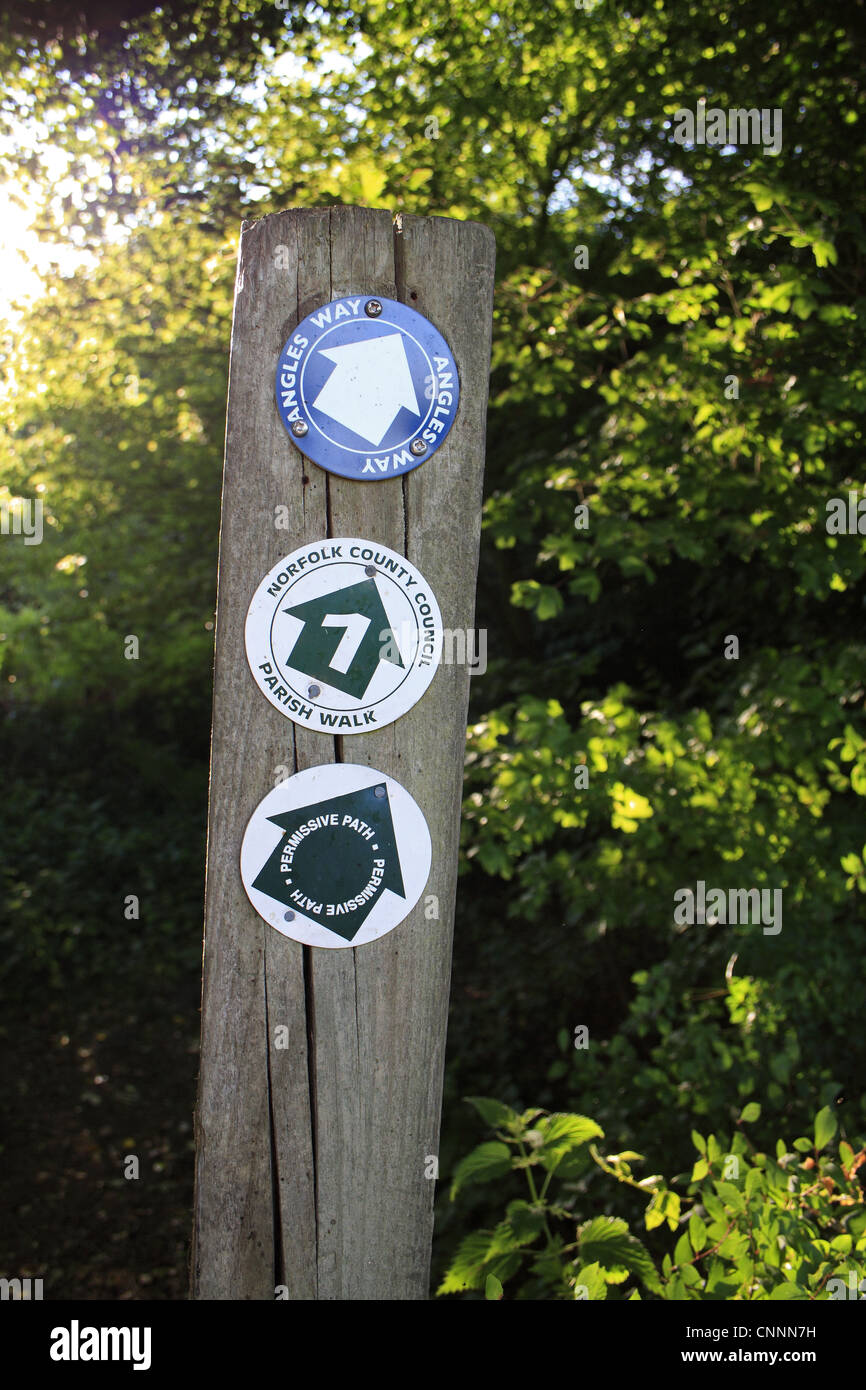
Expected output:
(345, 654)
(330, 855)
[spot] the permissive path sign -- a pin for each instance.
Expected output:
(336, 856)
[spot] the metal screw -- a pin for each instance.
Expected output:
(289, 917)
(300, 428)
(313, 691)
(380, 791)
(372, 308)
(370, 569)
(418, 446)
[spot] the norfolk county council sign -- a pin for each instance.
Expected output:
(336, 856)
(367, 388)
(343, 635)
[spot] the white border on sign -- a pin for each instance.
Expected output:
(389, 698)
(309, 788)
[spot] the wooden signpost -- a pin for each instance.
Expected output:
(321, 1070)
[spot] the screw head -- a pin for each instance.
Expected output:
(372, 308)
(379, 791)
(300, 428)
(370, 569)
(418, 446)
(289, 917)
(313, 691)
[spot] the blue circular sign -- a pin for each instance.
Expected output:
(367, 388)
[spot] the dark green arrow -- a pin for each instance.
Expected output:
(332, 864)
(316, 645)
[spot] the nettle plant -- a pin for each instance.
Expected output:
(748, 1225)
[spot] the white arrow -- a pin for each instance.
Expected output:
(371, 383)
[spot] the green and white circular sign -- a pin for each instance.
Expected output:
(336, 856)
(343, 635)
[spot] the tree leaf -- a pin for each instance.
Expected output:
(606, 1240)
(562, 1133)
(697, 1232)
(492, 1112)
(590, 1283)
(487, 1161)
(825, 1127)
(792, 1292)
(465, 1269)
(526, 1221)
(492, 1288)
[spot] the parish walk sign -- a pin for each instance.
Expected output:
(336, 856)
(367, 388)
(343, 635)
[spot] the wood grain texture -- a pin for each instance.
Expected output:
(310, 1159)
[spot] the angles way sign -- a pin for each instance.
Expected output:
(367, 388)
(336, 856)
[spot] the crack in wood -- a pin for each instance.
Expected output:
(310, 1016)
(279, 1259)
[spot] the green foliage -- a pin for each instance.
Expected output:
(747, 1225)
(760, 795)
(697, 387)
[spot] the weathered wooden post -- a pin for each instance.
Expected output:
(321, 1069)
